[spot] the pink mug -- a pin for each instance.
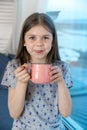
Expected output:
(40, 73)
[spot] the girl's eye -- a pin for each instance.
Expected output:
(45, 38)
(32, 38)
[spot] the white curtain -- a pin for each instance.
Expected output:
(29, 7)
(7, 18)
(14, 38)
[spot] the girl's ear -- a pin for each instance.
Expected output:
(24, 44)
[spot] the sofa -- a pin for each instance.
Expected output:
(5, 119)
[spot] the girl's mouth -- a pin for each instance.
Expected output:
(39, 51)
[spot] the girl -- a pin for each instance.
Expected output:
(38, 106)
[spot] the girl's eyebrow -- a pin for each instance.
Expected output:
(30, 35)
(47, 35)
(39, 35)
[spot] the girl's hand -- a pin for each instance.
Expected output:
(22, 74)
(55, 74)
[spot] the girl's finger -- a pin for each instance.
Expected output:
(24, 77)
(54, 70)
(19, 69)
(25, 66)
(53, 77)
(54, 67)
(21, 73)
(56, 77)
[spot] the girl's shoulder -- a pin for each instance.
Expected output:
(9, 78)
(64, 66)
(60, 63)
(66, 71)
(14, 63)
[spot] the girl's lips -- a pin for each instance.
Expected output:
(38, 51)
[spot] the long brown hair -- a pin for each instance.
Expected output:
(31, 21)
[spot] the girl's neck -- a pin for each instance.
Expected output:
(38, 61)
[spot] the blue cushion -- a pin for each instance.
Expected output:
(3, 62)
(5, 119)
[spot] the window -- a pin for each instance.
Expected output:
(7, 18)
(70, 18)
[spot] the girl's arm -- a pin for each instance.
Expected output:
(64, 99)
(16, 96)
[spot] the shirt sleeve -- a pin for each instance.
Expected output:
(67, 75)
(9, 79)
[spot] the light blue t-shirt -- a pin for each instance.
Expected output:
(41, 110)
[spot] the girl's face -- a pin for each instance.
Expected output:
(38, 42)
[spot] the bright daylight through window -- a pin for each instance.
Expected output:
(70, 18)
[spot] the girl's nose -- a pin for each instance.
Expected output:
(39, 42)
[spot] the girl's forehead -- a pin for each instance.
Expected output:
(39, 29)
